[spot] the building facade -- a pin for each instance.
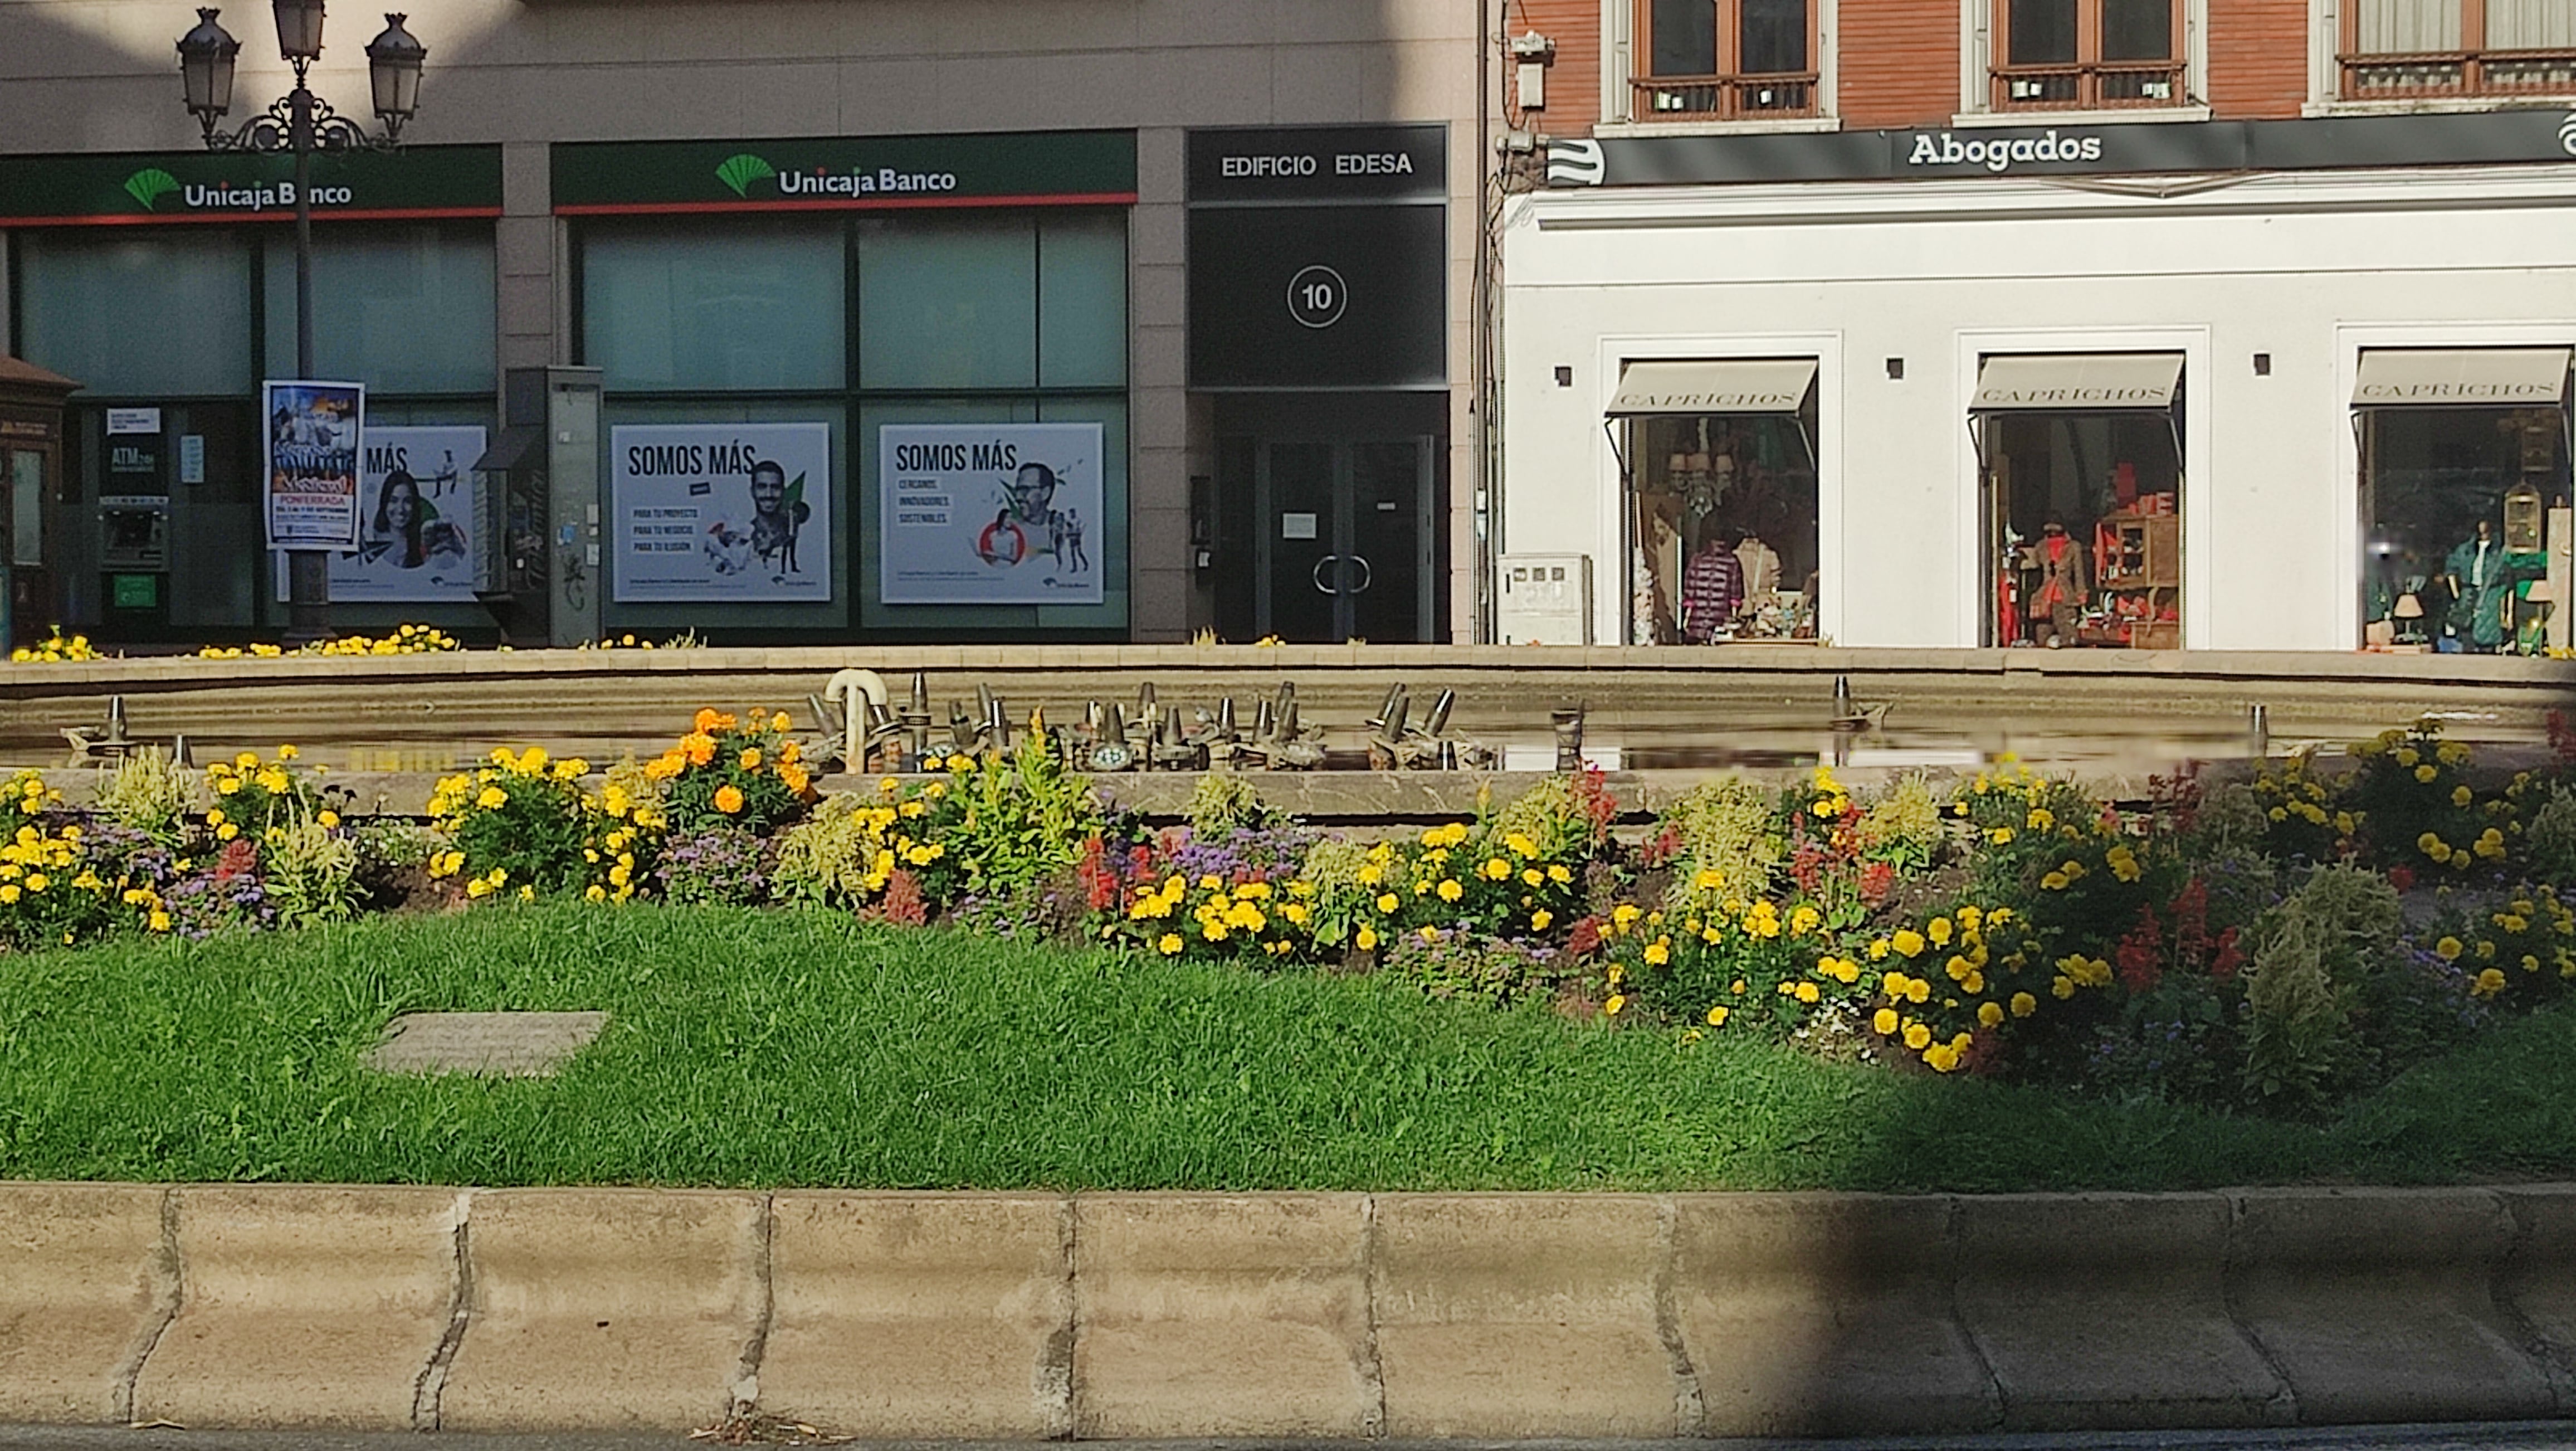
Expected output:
(2223, 324)
(918, 319)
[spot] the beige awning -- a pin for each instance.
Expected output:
(2462, 378)
(2077, 382)
(1734, 385)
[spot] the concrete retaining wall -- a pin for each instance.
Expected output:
(1282, 1315)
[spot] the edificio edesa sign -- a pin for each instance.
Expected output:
(1319, 257)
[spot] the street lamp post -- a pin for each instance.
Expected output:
(301, 122)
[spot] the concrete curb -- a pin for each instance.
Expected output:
(1306, 1316)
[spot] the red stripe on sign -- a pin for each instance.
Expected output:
(633, 209)
(155, 219)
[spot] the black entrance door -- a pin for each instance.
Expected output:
(1345, 540)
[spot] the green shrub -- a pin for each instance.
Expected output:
(2314, 962)
(312, 873)
(2549, 842)
(153, 794)
(1224, 802)
(1015, 820)
(840, 856)
(1903, 827)
(1727, 834)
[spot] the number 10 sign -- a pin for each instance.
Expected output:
(1316, 296)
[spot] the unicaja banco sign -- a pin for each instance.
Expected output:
(153, 186)
(806, 173)
(742, 172)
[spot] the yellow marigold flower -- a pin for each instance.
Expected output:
(1169, 944)
(2023, 1005)
(1908, 943)
(2062, 987)
(1939, 932)
(2461, 796)
(1449, 889)
(2053, 882)
(492, 798)
(1804, 920)
(227, 832)
(1883, 1022)
(1497, 869)
(1941, 1058)
(2448, 949)
(1917, 1036)
(1990, 1014)
(728, 798)
(1559, 875)
(1806, 992)
(228, 786)
(1657, 954)
(1388, 902)
(246, 761)
(779, 723)
(1533, 877)
(2488, 983)
(1540, 919)
(215, 816)
(749, 760)
(330, 820)
(1366, 938)
(1617, 1002)
(2426, 773)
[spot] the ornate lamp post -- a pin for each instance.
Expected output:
(301, 122)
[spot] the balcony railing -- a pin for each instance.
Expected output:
(2107, 86)
(2457, 73)
(1725, 98)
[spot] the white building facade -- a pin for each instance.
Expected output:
(2227, 386)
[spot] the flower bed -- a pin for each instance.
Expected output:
(2276, 945)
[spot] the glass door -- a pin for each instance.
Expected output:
(1346, 540)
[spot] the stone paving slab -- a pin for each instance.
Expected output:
(501, 1045)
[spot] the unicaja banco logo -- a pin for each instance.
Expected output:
(739, 172)
(149, 186)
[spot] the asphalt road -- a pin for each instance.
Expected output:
(2513, 1436)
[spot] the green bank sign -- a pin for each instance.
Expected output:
(1056, 168)
(193, 186)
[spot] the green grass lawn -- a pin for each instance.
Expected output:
(800, 1049)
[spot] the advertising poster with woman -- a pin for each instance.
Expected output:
(415, 516)
(723, 512)
(990, 514)
(313, 437)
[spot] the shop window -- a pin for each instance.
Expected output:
(948, 302)
(1726, 59)
(84, 300)
(2082, 463)
(1722, 500)
(1082, 300)
(2399, 49)
(747, 307)
(2463, 455)
(2082, 55)
(408, 311)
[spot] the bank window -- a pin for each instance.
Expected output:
(85, 299)
(2082, 55)
(753, 307)
(1726, 59)
(2398, 49)
(410, 311)
(948, 302)
(1721, 499)
(2464, 456)
(2081, 476)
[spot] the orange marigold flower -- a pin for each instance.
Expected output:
(699, 748)
(705, 719)
(728, 799)
(749, 760)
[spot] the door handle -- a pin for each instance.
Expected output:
(1322, 588)
(1368, 576)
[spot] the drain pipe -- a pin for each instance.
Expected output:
(847, 689)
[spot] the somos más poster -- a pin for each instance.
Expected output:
(991, 514)
(723, 512)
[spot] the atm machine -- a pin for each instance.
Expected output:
(31, 471)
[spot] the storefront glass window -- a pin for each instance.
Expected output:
(1082, 301)
(948, 302)
(2088, 514)
(2454, 525)
(750, 306)
(86, 300)
(407, 311)
(1723, 532)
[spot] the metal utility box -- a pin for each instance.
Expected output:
(1546, 599)
(31, 464)
(538, 509)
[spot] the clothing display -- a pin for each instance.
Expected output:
(2477, 567)
(1712, 588)
(1761, 566)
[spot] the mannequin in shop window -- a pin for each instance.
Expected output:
(1712, 588)
(2481, 583)
(2064, 584)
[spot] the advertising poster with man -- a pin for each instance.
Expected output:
(991, 514)
(313, 438)
(722, 513)
(415, 514)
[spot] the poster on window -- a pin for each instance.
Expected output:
(990, 514)
(415, 514)
(313, 437)
(723, 513)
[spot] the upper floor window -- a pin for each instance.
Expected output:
(2083, 55)
(2398, 49)
(1726, 60)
